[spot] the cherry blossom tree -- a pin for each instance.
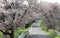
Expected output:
(17, 14)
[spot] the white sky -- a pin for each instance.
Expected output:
(52, 1)
(25, 3)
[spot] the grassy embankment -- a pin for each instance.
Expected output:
(51, 32)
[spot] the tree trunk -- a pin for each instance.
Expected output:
(12, 34)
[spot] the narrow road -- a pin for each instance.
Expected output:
(37, 32)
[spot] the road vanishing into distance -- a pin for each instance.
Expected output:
(37, 32)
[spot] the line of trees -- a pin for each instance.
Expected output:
(16, 15)
(51, 16)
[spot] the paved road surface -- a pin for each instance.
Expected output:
(36, 32)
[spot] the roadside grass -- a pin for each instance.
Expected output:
(43, 26)
(16, 33)
(57, 36)
(51, 32)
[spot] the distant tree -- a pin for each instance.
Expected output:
(51, 15)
